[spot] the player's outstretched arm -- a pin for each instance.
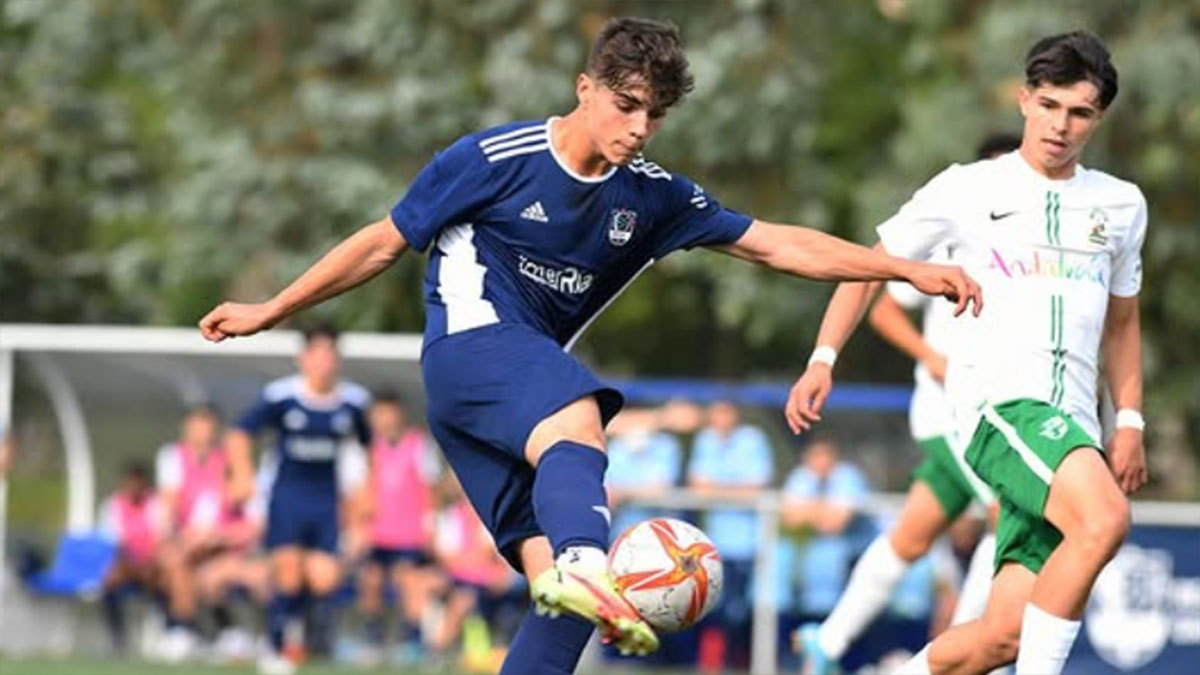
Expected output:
(358, 258)
(1122, 346)
(812, 254)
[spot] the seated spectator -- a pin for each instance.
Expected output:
(400, 510)
(642, 462)
(822, 498)
(479, 579)
(730, 459)
(136, 521)
(188, 470)
(236, 565)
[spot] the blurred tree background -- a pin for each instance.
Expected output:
(156, 156)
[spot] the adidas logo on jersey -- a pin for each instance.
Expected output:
(535, 212)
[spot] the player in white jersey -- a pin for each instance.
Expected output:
(942, 485)
(1057, 248)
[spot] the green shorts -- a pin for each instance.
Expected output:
(1016, 449)
(945, 479)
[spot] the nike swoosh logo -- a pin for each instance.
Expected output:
(999, 216)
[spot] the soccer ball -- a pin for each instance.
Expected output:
(668, 570)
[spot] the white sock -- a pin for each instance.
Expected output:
(583, 558)
(871, 585)
(917, 665)
(1046, 641)
(978, 584)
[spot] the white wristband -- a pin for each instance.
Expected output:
(823, 354)
(1130, 418)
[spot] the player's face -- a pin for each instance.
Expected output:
(1058, 123)
(620, 122)
(387, 419)
(319, 363)
(200, 430)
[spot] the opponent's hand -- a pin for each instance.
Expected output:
(233, 319)
(1127, 458)
(949, 281)
(803, 408)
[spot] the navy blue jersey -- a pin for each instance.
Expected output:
(519, 237)
(309, 432)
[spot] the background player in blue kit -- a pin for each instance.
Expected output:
(315, 416)
(533, 229)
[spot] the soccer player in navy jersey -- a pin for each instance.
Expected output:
(317, 418)
(533, 229)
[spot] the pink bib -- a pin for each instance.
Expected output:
(139, 538)
(201, 475)
(403, 494)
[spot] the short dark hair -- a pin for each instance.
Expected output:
(320, 330)
(203, 409)
(1063, 60)
(387, 397)
(652, 50)
(997, 143)
(137, 470)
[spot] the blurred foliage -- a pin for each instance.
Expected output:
(157, 155)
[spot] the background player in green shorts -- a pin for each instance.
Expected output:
(1057, 249)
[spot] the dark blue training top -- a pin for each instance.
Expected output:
(520, 237)
(309, 434)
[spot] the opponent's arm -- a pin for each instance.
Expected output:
(1122, 346)
(812, 254)
(890, 320)
(356, 259)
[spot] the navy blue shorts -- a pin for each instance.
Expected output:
(488, 388)
(387, 557)
(313, 527)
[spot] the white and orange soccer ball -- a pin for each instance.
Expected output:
(668, 570)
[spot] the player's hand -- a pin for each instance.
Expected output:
(803, 408)
(949, 281)
(240, 491)
(1127, 458)
(935, 363)
(233, 319)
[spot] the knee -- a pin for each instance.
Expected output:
(909, 548)
(1001, 643)
(1105, 529)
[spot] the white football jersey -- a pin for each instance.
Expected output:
(929, 413)
(1047, 254)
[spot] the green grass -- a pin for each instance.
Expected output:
(133, 667)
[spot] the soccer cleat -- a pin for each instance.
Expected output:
(594, 597)
(805, 643)
(272, 663)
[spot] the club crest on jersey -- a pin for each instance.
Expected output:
(620, 226)
(1099, 220)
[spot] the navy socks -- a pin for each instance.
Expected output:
(569, 498)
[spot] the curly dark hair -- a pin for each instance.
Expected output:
(651, 51)
(1065, 59)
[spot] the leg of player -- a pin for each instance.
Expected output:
(874, 578)
(571, 506)
(545, 644)
(1088, 507)
(978, 582)
(287, 584)
(370, 602)
(413, 582)
(986, 643)
(322, 573)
